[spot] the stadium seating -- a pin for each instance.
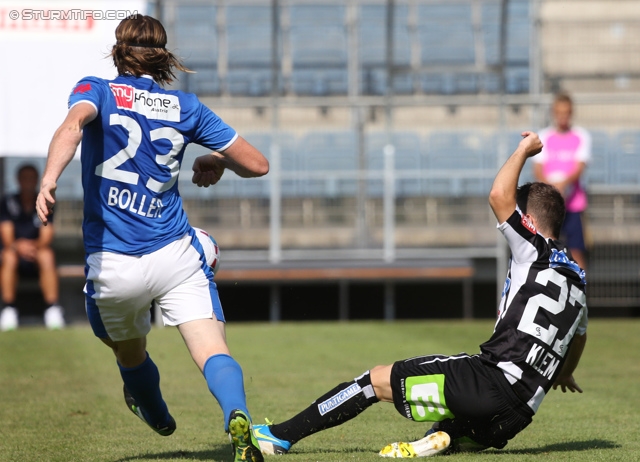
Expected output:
(289, 161)
(446, 34)
(248, 50)
(599, 168)
(318, 42)
(614, 162)
(626, 158)
(196, 41)
(455, 151)
(373, 52)
(442, 156)
(332, 153)
(407, 159)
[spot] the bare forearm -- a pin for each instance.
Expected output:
(245, 160)
(503, 193)
(61, 150)
(46, 237)
(239, 170)
(574, 355)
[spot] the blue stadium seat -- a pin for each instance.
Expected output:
(517, 80)
(372, 49)
(491, 32)
(196, 41)
(328, 152)
(249, 50)
(204, 80)
(518, 32)
(196, 37)
(249, 82)
(453, 150)
(407, 158)
(626, 158)
(599, 168)
(319, 49)
(320, 82)
(446, 33)
(450, 83)
(491, 157)
(289, 162)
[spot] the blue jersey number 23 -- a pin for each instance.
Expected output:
(109, 168)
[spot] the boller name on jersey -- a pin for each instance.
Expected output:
(141, 205)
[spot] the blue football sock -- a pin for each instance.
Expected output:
(143, 382)
(224, 378)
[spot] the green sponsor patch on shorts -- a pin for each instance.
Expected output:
(425, 395)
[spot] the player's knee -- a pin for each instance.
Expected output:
(9, 258)
(46, 258)
(381, 382)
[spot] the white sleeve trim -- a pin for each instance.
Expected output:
(522, 251)
(226, 146)
(84, 101)
(584, 321)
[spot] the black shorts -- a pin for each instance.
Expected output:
(466, 396)
(572, 233)
(28, 269)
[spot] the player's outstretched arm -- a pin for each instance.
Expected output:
(61, 150)
(245, 160)
(565, 379)
(502, 197)
(241, 158)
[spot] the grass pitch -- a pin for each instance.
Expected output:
(61, 393)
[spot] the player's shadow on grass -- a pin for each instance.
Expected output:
(223, 453)
(218, 453)
(562, 447)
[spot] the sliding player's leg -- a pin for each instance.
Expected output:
(337, 406)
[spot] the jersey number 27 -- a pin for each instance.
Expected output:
(548, 335)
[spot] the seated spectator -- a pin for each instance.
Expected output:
(26, 252)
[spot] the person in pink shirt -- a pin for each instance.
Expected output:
(566, 152)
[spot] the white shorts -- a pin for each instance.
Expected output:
(120, 289)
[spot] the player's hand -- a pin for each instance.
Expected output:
(45, 201)
(26, 249)
(208, 169)
(567, 383)
(531, 143)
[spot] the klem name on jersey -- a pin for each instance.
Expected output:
(542, 361)
(151, 105)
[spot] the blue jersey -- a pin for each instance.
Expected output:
(131, 156)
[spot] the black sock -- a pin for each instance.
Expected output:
(343, 403)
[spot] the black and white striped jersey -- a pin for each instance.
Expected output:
(543, 305)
